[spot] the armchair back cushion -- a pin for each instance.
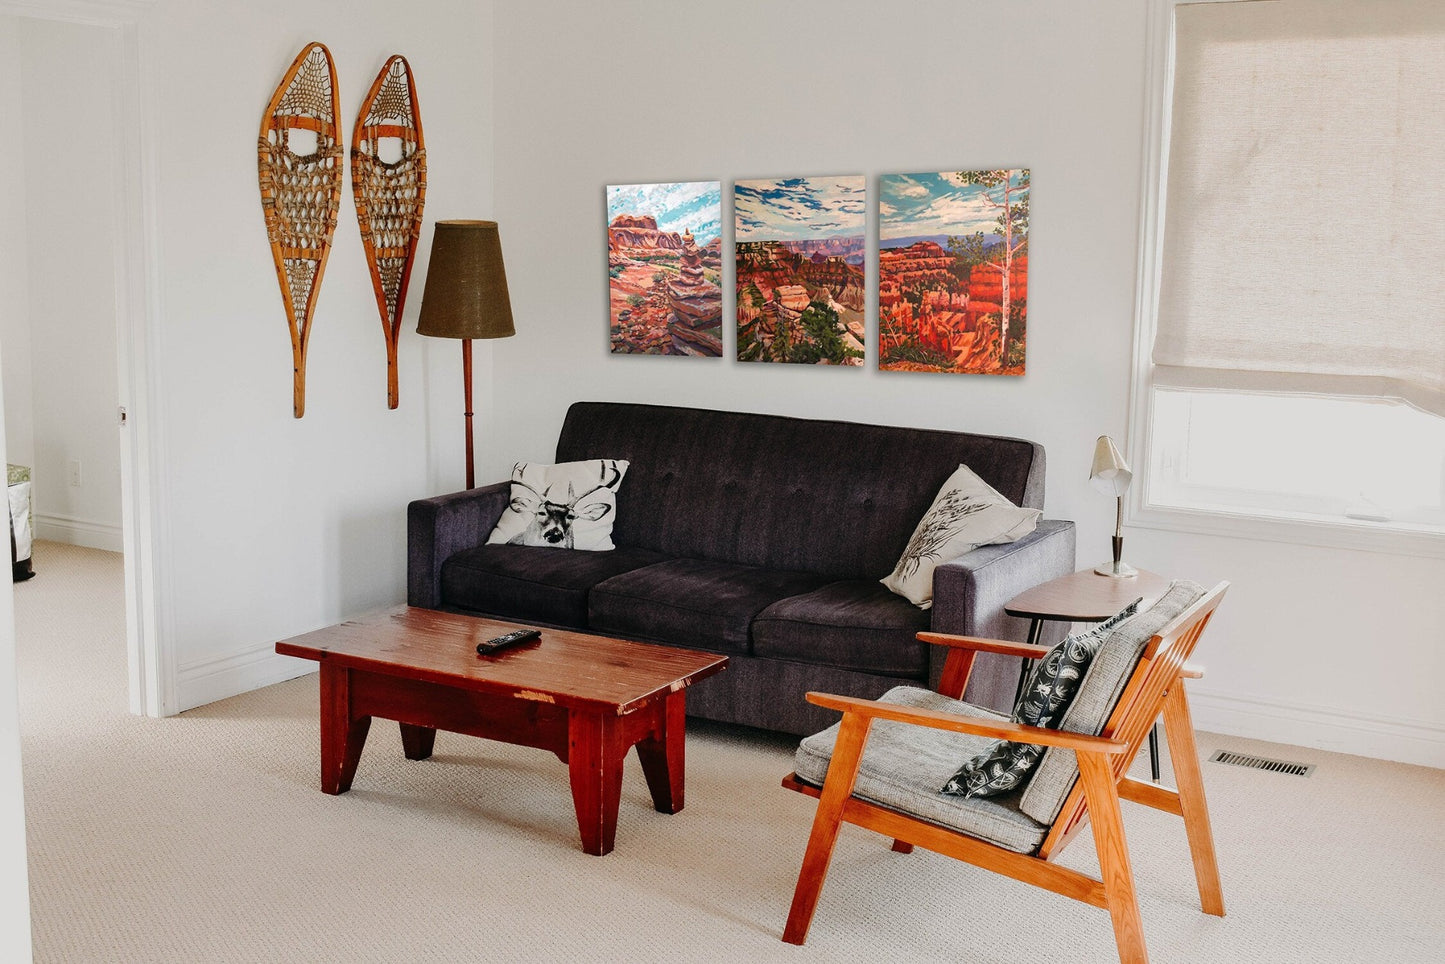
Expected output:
(1093, 704)
(833, 498)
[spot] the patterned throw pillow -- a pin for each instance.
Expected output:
(1055, 679)
(570, 505)
(966, 513)
(994, 771)
(1050, 688)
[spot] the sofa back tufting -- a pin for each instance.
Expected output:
(836, 498)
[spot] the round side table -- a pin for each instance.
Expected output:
(1085, 597)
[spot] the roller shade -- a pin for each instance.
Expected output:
(1304, 239)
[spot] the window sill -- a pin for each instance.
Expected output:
(1391, 538)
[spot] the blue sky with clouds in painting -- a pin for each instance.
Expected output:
(918, 205)
(800, 208)
(694, 206)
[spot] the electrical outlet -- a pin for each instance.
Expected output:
(75, 472)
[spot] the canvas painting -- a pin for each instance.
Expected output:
(953, 272)
(664, 264)
(800, 251)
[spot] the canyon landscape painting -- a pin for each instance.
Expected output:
(664, 265)
(953, 272)
(800, 252)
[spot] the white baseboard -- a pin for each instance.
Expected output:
(1325, 728)
(77, 532)
(205, 681)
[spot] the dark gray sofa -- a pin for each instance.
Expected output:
(762, 537)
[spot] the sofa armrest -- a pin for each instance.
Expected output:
(970, 592)
(439, 528)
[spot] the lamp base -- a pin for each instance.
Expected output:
(1117, 570)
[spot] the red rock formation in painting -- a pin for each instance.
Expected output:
(712, 254)
(639, 231)
(938, 313)
(662, 302)
(695, 306)
(777, 281)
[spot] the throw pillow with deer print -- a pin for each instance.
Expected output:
(570, 505)
(966, 513)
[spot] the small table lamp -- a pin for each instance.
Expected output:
(466, 297)
(1110, 474)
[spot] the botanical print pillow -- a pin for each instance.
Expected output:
(570, 505)
(1047, 694)
(966, 513)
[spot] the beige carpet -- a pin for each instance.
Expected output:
(205, 838)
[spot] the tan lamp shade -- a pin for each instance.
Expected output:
(466, 283)
(1110, 473)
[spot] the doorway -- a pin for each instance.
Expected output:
(73, 292)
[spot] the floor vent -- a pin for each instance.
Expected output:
(1262, 763)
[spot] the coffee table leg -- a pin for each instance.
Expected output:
(662, 758)
(342, 734)
(594, 758)
(417, 742)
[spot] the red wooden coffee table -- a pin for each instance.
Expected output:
(588, 699)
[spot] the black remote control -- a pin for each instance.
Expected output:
(510, 639)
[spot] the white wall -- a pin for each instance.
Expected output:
(274, 526)
(649, 90)
(641, 91)
(66, 78)
(14, 260)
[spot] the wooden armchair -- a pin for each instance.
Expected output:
(915, 817)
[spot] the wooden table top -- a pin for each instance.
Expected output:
(572, 669)
(1085, 596)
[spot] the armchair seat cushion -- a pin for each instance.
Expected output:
(533, 583)
(699, 603)
(854, 624)
(904, 765)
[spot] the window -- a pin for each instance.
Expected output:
(1292, 341)
(1299, 456)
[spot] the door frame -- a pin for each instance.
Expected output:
(151, 667)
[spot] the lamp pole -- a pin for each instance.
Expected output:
(467, 401)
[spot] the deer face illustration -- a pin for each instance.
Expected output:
(552, 520)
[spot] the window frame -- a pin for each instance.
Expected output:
(1140, 511)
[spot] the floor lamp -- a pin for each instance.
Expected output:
(466, 297)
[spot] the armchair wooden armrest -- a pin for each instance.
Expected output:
(961, 653)
(993, 729)
(978, 644)
(963, 649)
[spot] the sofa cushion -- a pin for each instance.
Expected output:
(854, 624)
(692, 602)
(904, 765)
(533, 583)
